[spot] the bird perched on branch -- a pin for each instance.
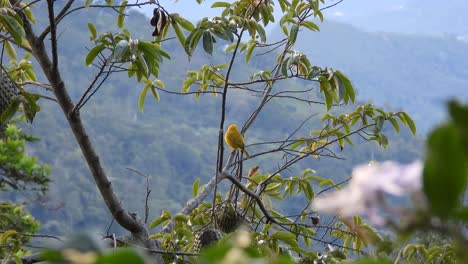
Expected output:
(235, 140)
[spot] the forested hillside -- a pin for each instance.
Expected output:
(417, 73)
(174, 141)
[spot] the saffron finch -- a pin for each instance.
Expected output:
(235, 140)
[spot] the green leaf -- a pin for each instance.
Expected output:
(88, 3)
(93, 53)
(395, 124)
(181, 218)
(297, 144)
(93, 31)
(208, 42)
(284, 67)
(347, 84)
(461, 214)
(152, 51)
(459, 114)
(192, 41)
(179, 34)
(286, 237)
(293, 33)
(326, 89)
(379, 123)
(121, 16)
(187, 83)
(155, 93)
(10, 111)
(141, 100)
(195, 187)
(9, 49)
(165, 215)
(29, 14)
(310, 25)
(410, 123)
(261, 33)
(187, 25)
(30, 106)
(445, 171)
(221, 4)
(250, 48)
(402, 118)
(13, 27)
(308, 191)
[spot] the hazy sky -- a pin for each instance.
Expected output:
(402, 16)
(347, 8)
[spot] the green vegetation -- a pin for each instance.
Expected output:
(313, 126)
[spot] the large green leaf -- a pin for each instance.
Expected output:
(179, 34)
(93, 53)
(208, 42)
(293, 33)
(459, 115)
(445, 172)
(13, 27)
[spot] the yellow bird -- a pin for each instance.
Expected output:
(235, 140)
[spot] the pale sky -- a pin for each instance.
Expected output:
(194, 11)
(403, 16)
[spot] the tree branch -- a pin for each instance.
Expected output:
(127, 221)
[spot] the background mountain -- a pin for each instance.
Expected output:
(174, 141)
(428, 17)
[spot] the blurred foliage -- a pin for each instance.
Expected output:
(17, 226)
(18, 170)
(269, 241)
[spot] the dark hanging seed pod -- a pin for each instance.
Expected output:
(206, 237)
(163, 21)
(8, 90)
(228, 218)
(155, 21)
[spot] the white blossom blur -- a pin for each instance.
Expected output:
(365, 194)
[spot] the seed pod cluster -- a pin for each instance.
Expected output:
(206, 237)
(228, 218)
(159, 21)
(8, 90)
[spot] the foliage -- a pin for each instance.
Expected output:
(17, 226)
(87, 249)
(276, 234)
(19, 170)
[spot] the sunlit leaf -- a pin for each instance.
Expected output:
(93, 31)
(195, 187)
(141, 100)
(293, 33)
(121, 15)
(9, 49)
